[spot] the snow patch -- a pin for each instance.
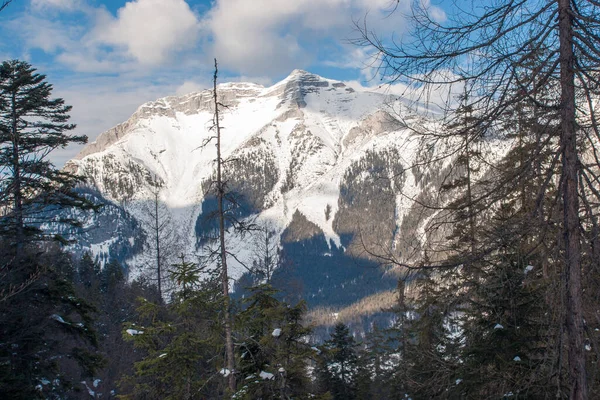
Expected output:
(89, 389)
(58, 318)
(266, 375)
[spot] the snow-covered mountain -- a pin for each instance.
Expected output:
(316, 161)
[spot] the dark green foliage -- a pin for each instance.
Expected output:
(337, 369)
(429, 340)
(273, 354)
(376, 375)
(508, 338)
(48, 343)
(111, 276)
(31, 126)
(366, 205)
(115, 304)
(180, 341)
(88, 271)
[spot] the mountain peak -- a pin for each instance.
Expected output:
(299, 72)
(302, 75)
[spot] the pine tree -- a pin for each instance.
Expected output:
(431, 350)
(337, 365)
(265, 254)
(31, 126)
(464, 210)
(373, 365)
(88, 271)
(273, 355)
(180, 340)
(111, 277)
(47, 337)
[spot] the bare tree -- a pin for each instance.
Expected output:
(4, 4)
(221, 191)
(265, 253)
(487, 49)
(229, 219)
(164, 243)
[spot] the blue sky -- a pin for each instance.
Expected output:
(108, 57)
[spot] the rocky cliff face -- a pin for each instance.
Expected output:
(316, 161)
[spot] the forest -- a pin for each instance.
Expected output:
(500, 301)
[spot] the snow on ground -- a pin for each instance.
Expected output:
(172, 146)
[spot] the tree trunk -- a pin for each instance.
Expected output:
(572, 274)
(224, 275)
(18, 198)
(157, 237)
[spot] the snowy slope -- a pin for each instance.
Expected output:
(305, 144)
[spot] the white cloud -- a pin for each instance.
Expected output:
(259, 80)
(435, 98)
(353, 57)
(190, 87)
(436, 13)
(155, 48)
(144, 34)
(149, 30)
(274, 36)
(41, 33)
(59, 4)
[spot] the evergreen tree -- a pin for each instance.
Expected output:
(431, 351)
(337, 365)
(376, 378)
(31, 126)
(507, 341)
(47, 337)
(273, 354)
(180, 341)
(111, 276)
(47, 340)
(88, 271)
(390, 347)
(115, 305)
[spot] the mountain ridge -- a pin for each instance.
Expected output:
(306, 146)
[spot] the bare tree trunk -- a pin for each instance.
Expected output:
(157, 238)
(268, 260)
(572, 273)
(470, 209)
(224, 275)
(470, 198)
(4, 4)
(18, 197)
